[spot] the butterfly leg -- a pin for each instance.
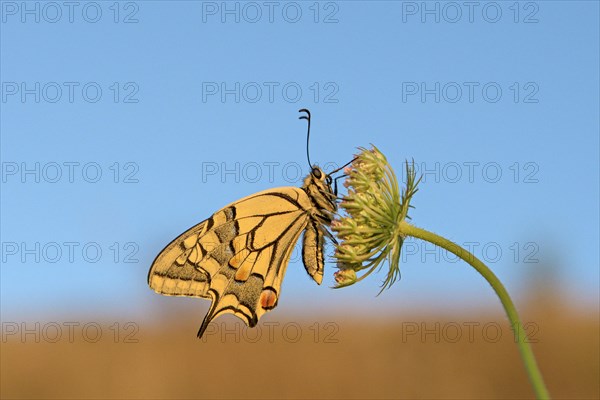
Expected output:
(330, 236)
(335, 184)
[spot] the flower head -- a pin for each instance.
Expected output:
(370, 215)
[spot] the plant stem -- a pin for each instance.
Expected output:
(535, 376)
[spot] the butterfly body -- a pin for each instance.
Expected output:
(239, 255)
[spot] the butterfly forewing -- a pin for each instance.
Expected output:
(174, 272)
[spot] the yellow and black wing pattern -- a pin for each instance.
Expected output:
(239, 255)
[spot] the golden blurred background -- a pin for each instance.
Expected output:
(421, 355)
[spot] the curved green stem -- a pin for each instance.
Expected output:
(533, 371)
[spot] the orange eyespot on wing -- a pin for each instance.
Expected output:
(268, 299)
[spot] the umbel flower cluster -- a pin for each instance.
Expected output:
(369, 220)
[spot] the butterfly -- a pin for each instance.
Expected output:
(238, 256)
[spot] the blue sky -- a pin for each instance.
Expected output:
(181, 109)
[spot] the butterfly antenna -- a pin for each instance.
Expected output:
(342, 167)
(307, 117)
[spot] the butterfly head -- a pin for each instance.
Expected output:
(319, 178)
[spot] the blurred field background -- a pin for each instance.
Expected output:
(335, 356)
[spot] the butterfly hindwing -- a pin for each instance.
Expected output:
(251, 287)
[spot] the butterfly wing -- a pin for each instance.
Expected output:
(312, 250)
(175, 270)
(237, 257)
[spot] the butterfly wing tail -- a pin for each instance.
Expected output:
(205, 323)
